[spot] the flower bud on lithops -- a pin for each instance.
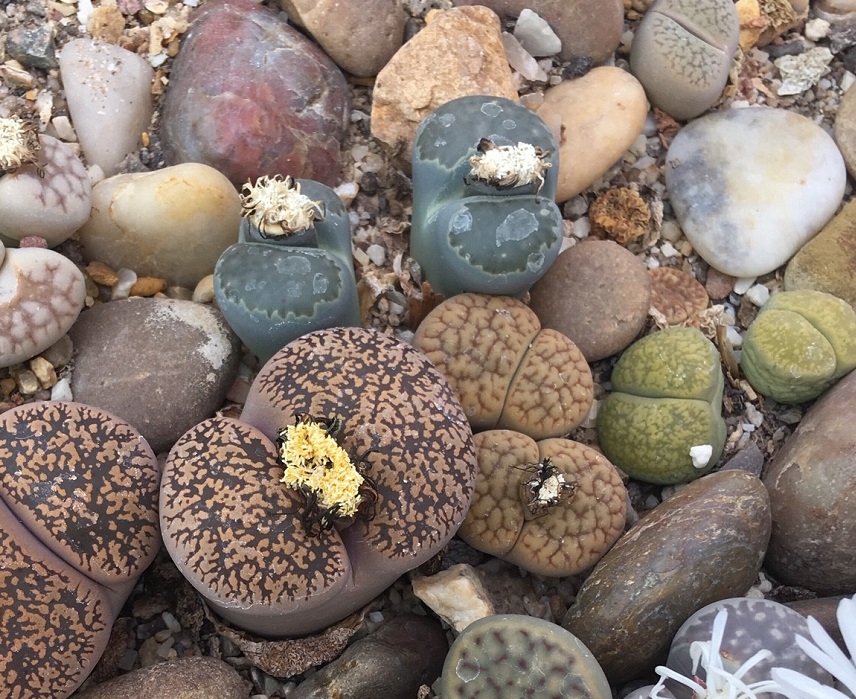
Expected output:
(352, 464)
(553, 507)
(292, 272)
(41, 295)
(508, 656)
(662, 422)
(800, 343)
(682, 52)
(506, 370)
(484, 184)
(752, 626)
(78, 524)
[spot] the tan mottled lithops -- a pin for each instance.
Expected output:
(41, 295)
(78, 523)
(682, 53)
(677, 295)
(506, 370)
(553, 507)
(286, 561)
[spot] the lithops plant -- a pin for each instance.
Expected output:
(507, 371)
(682, 52)
(508, 656)
(662, 421)
(484, 182)
(552, 507)
(290, 558)
(41, 295)
(44, 187)
(291, 271)
(78, 523)
(800, 344)
(741, 638)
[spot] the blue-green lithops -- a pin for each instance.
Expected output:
(662, 421)
(484, 183)
(513, 655)
(800, 343)
(291, 271)
(682, 52)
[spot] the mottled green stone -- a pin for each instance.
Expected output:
(666, 399)
(799, 345)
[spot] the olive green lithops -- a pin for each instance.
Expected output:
(507, 371)
(291, 271)
(682, 52)
(278, 543)
(662, 422)
(800, 343)
(508, 656)
(78, 526)
(484, 182)
(553, 507)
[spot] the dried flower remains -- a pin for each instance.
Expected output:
(276, 207)
(509, 166)
(545, 488)
(19, 144)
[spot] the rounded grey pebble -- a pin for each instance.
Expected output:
(161, 364)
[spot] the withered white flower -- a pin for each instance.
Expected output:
(509, 166)
(19, 144)
(276, 207)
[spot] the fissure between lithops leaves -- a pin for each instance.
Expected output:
(277, 208)
(19, 144)
(509, 166)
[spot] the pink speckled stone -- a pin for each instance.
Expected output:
(250, 96)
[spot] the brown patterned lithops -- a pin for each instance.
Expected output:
(506, 370)
(682, 53)
(41, 295)
(378, 463)
(78, 524)
(553, 507)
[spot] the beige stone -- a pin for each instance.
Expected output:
(458, 53)
(595, 118)
(171, 223)
(456, 595)
(357, 46)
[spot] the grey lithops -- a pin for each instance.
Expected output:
(508, 656)
(290, 558)
(41, 295)
(78, 523)
(682, 52)
(751, 626)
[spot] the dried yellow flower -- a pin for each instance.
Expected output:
(19, 144)
(277, 208)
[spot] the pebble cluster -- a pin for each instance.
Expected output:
(634, 419)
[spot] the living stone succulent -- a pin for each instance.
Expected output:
(288, 559)
(553, 507)
(291, 271)
(508, 656)
(800, 343)
(682, 52)
(484, 183)
(79, 524)
(507, 371)
(41, 295)
(662, 422)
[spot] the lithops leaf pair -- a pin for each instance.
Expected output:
(287, 560)
(506, 370)
(291, 271)
(800, 343)
(552, 507)
(662, 422)
(682, 52)
(484, 183)
(41, 295)
(79, 524)
(751, 626)
(508, 656)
